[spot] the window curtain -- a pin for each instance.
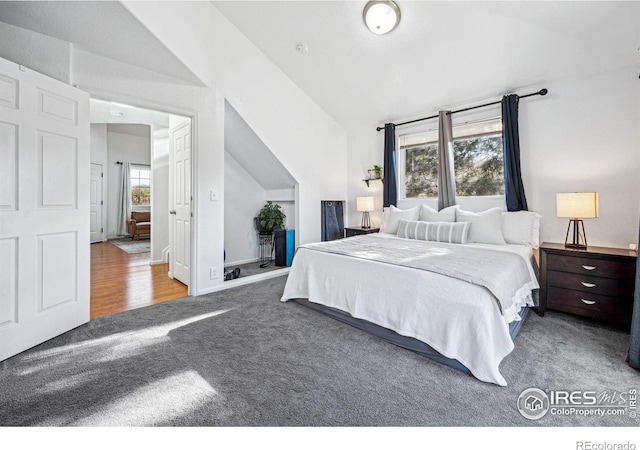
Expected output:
(124, 211)
(634, 347)
(390, 188)
(332, 217)
(513, 187)
(446, 176)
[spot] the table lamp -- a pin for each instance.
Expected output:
(365, 204)
(577, 206)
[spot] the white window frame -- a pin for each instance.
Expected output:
(141, 207)
(481, 127)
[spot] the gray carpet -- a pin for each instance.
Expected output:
(242, 358)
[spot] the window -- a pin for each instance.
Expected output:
(140, 186)
(477, 155)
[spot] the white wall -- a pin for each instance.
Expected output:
(122, 147)
(243, 198)
(159, 194)
(99, 155)
(582, 136)
(290, 124)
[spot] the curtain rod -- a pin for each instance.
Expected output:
(540, 92)
(135, 164)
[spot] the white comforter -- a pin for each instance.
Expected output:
(458, 319)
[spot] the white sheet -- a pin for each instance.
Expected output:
(458, 319)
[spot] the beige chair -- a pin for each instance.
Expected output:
(140, 223)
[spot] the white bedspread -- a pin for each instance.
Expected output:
(458, 319)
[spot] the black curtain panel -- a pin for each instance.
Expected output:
(390, 189)
(332, 217)
(514, 189)
(634, 347)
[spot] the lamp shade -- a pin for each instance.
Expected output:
(364, 204)
(577, 205)
(381, 16)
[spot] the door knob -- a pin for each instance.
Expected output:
(173, 211)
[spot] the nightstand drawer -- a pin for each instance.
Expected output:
(603, 307)
(591, 266)
(590, 284)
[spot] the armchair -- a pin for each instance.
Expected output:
(140, 223)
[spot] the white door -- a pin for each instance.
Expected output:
(180, 176)
(95, 203)
(44, 208)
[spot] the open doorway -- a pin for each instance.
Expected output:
(137, 238)
(253, 177)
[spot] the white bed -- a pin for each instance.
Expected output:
(460, 320)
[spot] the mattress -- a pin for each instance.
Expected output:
(459, 320)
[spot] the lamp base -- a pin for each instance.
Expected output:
(579, 237)
(366, 221)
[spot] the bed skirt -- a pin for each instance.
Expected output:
(392, 337)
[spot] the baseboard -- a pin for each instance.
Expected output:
(157, 261)
(238, 263)
(246, 280)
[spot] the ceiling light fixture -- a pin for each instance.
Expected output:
(381, 16)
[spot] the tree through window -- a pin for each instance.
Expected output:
(478, 161)
(140, 186)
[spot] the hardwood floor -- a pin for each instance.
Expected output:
(121, 281)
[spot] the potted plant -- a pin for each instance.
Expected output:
(270, 218)
(378, 171)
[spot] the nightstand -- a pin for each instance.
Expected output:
(358, 230)
(595, 282)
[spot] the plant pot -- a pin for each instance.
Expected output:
(261, 230)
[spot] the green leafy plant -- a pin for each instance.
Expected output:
(270, 218)
(377, 170)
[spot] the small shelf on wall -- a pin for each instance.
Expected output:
(366, 180)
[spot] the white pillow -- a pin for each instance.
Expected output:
(521, 227)
(428, 214)
(393, 217)
(451, 232)
(486, 226)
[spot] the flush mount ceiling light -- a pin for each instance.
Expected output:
(381, 16)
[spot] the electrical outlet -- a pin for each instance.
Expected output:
(213, 273)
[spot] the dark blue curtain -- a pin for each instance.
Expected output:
(513, 187)
(390, 189)
(634, 347)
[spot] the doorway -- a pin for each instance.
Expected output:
(138, 271)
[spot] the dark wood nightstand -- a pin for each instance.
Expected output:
(358, 230)
(596, 282)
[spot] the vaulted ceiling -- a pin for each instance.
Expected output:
(442, 54)
(105, 28)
